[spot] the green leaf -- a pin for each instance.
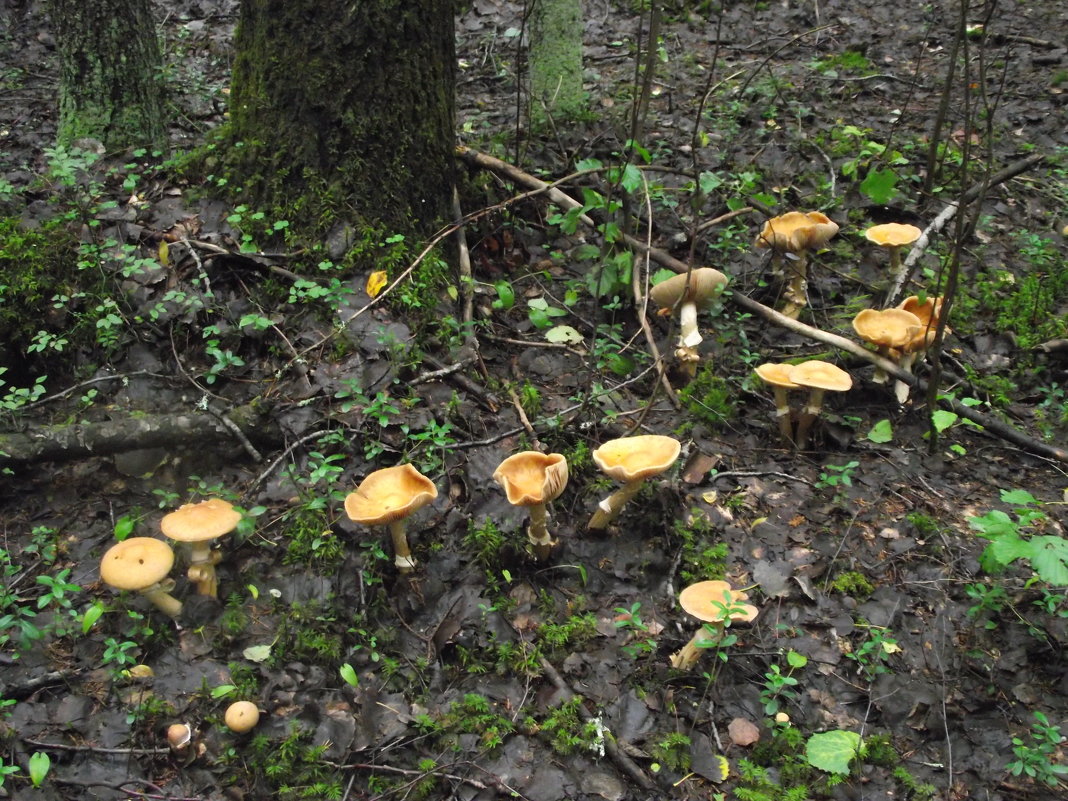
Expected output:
(1049, 558)
(1003, 551)
(796, 660)
(588, 164)
(709, 182)
(505, 296)
(879, 185)
(994, 524)
(40, 763)
(1018, 497)
(222, 691)
(881, 432)
(632, 178)
(92, 614)
(124, 527)
(941, 419)
(348, 673)
(563, 333)
(832, 750)
(257, 653)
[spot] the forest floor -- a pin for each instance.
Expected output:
(884, 621)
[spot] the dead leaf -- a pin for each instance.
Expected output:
(743, 732)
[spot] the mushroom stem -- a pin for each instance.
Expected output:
(796, 293)
(686, 657)
(402, 554)
(687, 359)
(808, 416)
(901, 389)
(895, 265)
(160, 596)
(689, 335)
(609, 508)
(783, 414)
(538, 532)
(202, 561)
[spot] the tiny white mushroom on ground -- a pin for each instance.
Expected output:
(631, 460)
(533, 479)
(198, 525)
(387, 497)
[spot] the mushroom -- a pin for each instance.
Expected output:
(142, 564)
(796, 233)
(890, 330)
(534, 479)
(389, 496)
(242, 716)
(179, 736)
(928, 311)
(820, 377)
(717, 605)
(777, 376)
(631, 460)
(695, 290)
(199, 524)
(893, 237)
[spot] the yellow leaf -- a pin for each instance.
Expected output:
(375, 282)
(164, 253)
(724, 768)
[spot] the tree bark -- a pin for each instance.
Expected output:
(556, 60)
(346, 109)
(109, 60)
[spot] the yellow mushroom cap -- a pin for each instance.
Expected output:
(530, 477)
(705, 284)
(817, 374)
(893, 235)
(796, 231)
(196, 522)
(389, 494)
(705, 601)
(242, 716)
(891, 328)
(136, 563)
(636, 458)
(778, 375)
(927, 312)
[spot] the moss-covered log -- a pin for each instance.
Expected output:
(556, 60)
(345, 109)
(109, 63)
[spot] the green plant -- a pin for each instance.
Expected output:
(874, 652)
(631, 619)
(474, 714)
(6, 770)
(568, 732)
(853, 583)
(673, 752)
(834, 475)
(40, 764)
(1034, 750)
(779, 685)
(1010, 540)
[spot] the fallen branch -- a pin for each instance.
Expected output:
(665, 259)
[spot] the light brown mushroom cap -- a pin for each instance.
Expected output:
(242, 716)
(797, 231)
(197, 522)
(893, 235)
(927, 312)
(705, 601)
(136, 563)
(778, 375)
(891, 328)
(389, 494)
(705, 285)
(817, 374)
(636, 458)
(530, 478)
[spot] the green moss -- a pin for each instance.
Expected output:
(709, 398)
(854, 584)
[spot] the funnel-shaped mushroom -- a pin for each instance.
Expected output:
(796, 233)
(890, 330)
(893, 237)
(692, 292)
(198, 524)
(716, 604)
(928, 312)
(777, 376)
(142, 564)
(820, 377)
(389, 496)
(631, 460)
(534, 480)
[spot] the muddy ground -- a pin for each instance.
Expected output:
(858, 551)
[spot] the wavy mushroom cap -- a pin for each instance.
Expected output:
(702, 286)
(893, 235)
(389, 494)
(530, 477)
(777, 375)
(196, 522)
(796, 231)
(817, 374)
(636, 458)
(136, 563)
(242, 716)
(891, 328)
(708, 600)
(926, 312)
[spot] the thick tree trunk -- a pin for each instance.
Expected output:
(556, 61)
(346, 108)
(109, 62)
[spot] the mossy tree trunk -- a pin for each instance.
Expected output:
(109, 63)
(345, 109)
(556, 60)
